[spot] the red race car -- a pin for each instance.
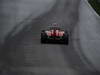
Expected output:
(54, 34)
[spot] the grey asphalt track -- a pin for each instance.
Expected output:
(23, 54)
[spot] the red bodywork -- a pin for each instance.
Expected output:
(55, 33)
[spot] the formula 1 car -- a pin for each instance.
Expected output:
(54, 34)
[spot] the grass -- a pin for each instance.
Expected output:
(96, 5)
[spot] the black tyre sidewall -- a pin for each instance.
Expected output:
(66, 39)
(43, 37)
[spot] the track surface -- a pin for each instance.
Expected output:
(25, 55)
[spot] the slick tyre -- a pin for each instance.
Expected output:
(66, 39)
(43, 37)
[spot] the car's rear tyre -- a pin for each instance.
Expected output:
(43, 41)
(66, 39)
(43, 37)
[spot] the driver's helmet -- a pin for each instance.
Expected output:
(55, 24)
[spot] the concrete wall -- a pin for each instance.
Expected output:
(88, 36)
(12, 12)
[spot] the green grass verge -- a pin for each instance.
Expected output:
(96, 5)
